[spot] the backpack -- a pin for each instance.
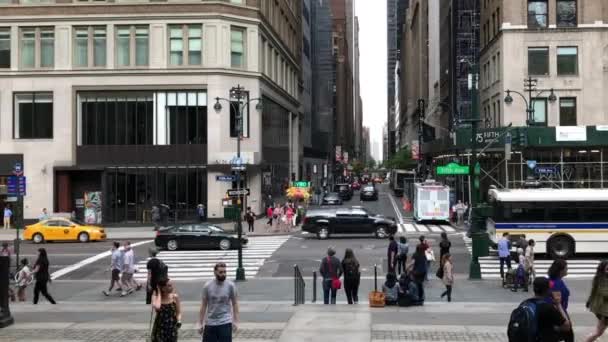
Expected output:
(523, 324)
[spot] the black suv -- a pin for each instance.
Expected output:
(344, 190)
(355, 220)
(368, 192)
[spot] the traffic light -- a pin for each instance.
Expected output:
(523, 137)
(515, 137)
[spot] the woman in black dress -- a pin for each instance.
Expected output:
(168, 312)
(41, 272)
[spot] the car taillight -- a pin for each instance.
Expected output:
(157, 233)
(305, 220)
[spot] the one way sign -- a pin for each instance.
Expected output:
(237, 193)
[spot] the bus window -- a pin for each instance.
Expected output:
(564, 214)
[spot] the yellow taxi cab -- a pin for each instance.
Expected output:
(62, 229)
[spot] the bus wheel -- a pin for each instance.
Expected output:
(560, 247)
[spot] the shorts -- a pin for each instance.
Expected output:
(602, 318)
(115, 275)
(126, 277)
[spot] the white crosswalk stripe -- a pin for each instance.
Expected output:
(577, 269)
(193, 265)
(424, 228)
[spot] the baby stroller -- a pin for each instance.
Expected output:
(517, 277)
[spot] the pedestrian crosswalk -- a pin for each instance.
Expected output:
(577, 268)
(424, 228)
(198, 264)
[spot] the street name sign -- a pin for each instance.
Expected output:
(225, 178)
(453, 169)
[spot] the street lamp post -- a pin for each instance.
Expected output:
(239, 94)
(530, 87)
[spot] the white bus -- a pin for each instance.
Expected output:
(431, 201)
(562, 222)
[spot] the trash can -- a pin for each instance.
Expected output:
(231, 212)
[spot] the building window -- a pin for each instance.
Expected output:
(538, 61)
(90, 46)
(37, 47)
(142, 118)
(240, 2)
(567, 61)
(566, 13)
(5, 48)
(567, 111)
(33, 116)
(132, 46)
(537, 13)
(540, 111)
(179, 53)
(237, 47)
(244, 124)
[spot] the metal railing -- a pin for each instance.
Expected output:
(299, 286)
(314, 286)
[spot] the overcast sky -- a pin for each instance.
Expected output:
(372, 46)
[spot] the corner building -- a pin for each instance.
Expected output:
(110, 104)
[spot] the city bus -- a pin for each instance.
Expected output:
(562, 222)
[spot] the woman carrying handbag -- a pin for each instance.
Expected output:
(331, 271)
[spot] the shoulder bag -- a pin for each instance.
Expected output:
(336, 283)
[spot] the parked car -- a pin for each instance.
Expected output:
(344, 190)
(369, 192)
(196, 236)
(355, 220)
(62, 229)
(332, 198)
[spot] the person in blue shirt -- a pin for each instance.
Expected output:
(559, 291)
(504, 253)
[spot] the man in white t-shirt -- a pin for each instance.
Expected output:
(128, 269)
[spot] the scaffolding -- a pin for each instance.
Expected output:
(466, 51)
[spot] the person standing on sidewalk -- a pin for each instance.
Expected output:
(559, 291)
(504, 254)
(331, 271)
(448, 275)
(269, 213)
(200, 211)
(157, 270)
(219, 314)
(391, 254)
(551, 317)
(41, 271)
(44, 216)
(420, 269)
(168, 308)
(598, 301)
(115, 267)
(250, 218)
(8, 213)
(352, 276)
(402, 251)
(289, 213)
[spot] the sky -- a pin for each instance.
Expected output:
(373, 59)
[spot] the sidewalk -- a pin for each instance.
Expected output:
(279, 322)
(147, 232)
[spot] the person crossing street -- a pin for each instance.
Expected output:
(115, 267)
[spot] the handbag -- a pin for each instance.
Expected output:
(439, 273)
(430, 255)
(336, 283)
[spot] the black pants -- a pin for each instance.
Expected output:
(327, 290)
(269, 221)
(503, 261)
(40, 287)
(218, 333)
(351, 287)
(447, 292)
(250, 226)
(401, 261)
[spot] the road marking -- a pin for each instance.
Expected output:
(421, 227)
(400, 228)
(396, 208)
(409, 227)
(90, 260)
(435, 228)
(447, 228)
(194, 265)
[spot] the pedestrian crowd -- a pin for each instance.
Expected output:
(404, 284)
(282, 218)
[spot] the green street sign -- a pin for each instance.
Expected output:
(301, 184)
(452, 169)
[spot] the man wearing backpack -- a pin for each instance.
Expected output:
(157, 269)
(535, 320)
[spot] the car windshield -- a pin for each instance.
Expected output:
(368, 188)
(331, 195)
